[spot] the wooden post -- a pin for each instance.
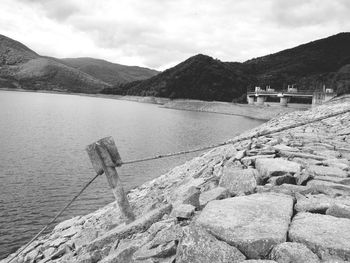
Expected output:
(105, 157)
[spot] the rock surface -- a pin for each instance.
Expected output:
(238, 181)
(214, 194)
(315, 154)
(183, 211)
(325, 235)
(326, 171)
(339, 210)
(198, 246)
(254, 223)
(268, 167)
(293, 252)
(122, 231)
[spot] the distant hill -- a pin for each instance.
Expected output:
(13, 52)
(199, 77)
(309, 66)
(21, 67)
(109, 72)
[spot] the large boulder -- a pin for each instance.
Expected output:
(254, 224)
(293, 252)
(268, 167)
(198, 246)
(326, 236)
(239, 181)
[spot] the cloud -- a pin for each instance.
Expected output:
(162, 33)
(57, 10)
(301, 13)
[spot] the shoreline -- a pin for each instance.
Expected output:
(267, 112)
(312, 162)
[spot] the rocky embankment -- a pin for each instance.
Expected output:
(265, 112)
(278, 198)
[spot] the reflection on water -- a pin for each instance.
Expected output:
(43, 162)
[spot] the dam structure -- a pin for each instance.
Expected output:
(260, 95)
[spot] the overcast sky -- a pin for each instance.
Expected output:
(161, 33)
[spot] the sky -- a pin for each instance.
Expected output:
(161, 33)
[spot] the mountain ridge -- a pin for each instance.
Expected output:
(309, 66)
(21, 67)
(109, 72)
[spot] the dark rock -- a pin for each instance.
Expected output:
(283, 179)
(302, 178)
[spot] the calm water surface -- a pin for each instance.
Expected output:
(43, 162)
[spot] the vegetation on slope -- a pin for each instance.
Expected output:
(199, 77)
(20, 67)
(309, 66)
(108, 72)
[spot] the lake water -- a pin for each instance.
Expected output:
(43, 162)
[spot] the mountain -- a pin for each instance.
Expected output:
(21, 67)
(199, 77)
(13, 52)
(309, 66)
(109, 72)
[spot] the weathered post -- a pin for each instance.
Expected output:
(105, 157)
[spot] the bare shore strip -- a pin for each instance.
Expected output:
(267, 112)
(284, 197)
